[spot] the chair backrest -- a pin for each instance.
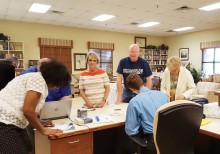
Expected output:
(156, 83)
(176, 126)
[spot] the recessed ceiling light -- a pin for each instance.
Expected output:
(103, 17)
(182, 29)
(39, 8)
(210, 7)
(148, 24)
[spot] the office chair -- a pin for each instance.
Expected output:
(156, 83)
(176, 126)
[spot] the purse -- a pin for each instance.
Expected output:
(201, 101)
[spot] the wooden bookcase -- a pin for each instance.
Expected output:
(156, 58)
(15, 49)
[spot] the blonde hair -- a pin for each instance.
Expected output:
(173, 63)
(93, 55)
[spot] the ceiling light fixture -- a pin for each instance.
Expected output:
(183, 29)
(149, 24)
(103, 17)
(210, 7)
(39, 8)
(184, 9)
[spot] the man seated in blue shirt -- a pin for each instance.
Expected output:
(140, 113)
(54, 94)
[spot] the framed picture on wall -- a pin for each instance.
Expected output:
(80, 61)
(184, 53)
(32, 62)
(141, 41)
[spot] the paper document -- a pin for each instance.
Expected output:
(205, 121)
(102, 119)
(65, 127)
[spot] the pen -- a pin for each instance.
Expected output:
(97, 118)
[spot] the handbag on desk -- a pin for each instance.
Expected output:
(201, 101)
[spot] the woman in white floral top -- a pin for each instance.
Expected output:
(21, 99)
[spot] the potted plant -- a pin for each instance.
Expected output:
(110, 73)
(196, 73)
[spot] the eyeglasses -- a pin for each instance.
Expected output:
(90, 60)
(133, 53)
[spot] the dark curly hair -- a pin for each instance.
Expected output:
(55, 73)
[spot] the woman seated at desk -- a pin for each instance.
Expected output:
(94, 83)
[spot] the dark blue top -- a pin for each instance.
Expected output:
(55, 94)
(28, 70)
(140, 67)
(7, 73)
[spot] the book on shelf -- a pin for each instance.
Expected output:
(2, 56)
(11, 46)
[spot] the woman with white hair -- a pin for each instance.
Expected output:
(94, 83)
(177, 82)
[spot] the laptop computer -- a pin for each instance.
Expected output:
(56, 110)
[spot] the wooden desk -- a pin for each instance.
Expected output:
(76, 141)
(211, 129)
(80, 140)
(208, 141)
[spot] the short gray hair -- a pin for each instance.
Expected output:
(173, 63)
(12, 59)
(133, 46)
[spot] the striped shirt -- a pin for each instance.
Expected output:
(94, 84)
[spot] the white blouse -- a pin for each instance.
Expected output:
(12, 98)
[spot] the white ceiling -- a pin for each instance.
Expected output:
(78, 13)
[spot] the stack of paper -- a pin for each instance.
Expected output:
(205, 121)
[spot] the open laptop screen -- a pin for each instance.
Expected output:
(56, 110)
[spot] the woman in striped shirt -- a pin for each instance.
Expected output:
(94, 83)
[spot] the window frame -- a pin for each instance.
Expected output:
(100, 53)
(210, 62)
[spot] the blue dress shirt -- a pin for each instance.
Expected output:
(141, 111)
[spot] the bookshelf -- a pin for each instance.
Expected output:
(156, 58)
(15, 49)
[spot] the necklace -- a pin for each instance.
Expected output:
(174, 78)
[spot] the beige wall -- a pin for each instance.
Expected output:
(29, 33)
(191, 41)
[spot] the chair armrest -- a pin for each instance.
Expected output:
(138, 140)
